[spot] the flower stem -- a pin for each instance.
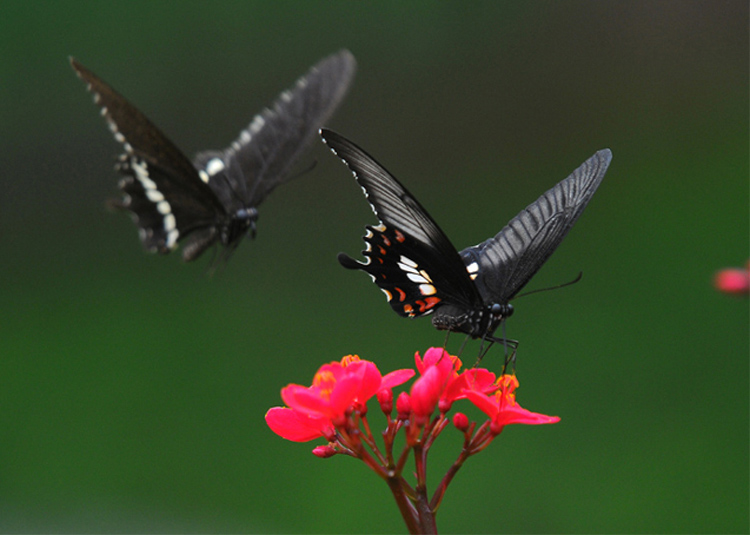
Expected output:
(405, 506)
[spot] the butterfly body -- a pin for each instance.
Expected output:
(214, 198)
(420, 271)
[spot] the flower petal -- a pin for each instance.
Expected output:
(292, 426)
(485, 404)
(425, 392)
(305, 400)
(369, 379)
(396, 378)
(519, 415)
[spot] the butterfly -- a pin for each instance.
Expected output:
(214, 198)
(421, 272)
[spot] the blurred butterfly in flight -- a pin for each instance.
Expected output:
(421, 272)
(214, 198)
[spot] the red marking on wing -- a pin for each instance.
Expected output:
(401, 294)
(427, 304)
(399, 236)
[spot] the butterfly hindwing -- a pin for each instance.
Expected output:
(505, 263)
(262, 156)
(408, 255)
(160, 186)
(161, 223)
(390, 261)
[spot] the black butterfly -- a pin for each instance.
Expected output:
(419, 269)
(215, 197)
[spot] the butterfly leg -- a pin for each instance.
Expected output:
(511, 359)
(482, 350)
(445, 343)
(463, 345)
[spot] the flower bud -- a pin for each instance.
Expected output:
(324, 451)
(461, 421)
(385, 398)
(403, 406)
(496, 428)
(444, 405)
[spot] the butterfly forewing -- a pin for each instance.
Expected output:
(408, 255)
(506, 262)
(142, 140)
(262, 156)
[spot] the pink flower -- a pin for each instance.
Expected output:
(733, 281)
(503, 409)
(337, 388)
(442, 384)
(437, 369)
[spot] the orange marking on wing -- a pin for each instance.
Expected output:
(401, 294)
(382, 250)
(408, 309)
(399, 236)
(386, 241)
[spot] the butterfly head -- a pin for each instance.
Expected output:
(499, 312)
(240, 223)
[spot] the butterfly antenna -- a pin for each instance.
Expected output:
(563, 285)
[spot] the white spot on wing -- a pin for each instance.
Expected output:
(426, 289)
(407, 261)
(215, 165)
(257, 124)
(416, 277)
(155, 196)
(407, 268)
(164, 209)
(170, 225)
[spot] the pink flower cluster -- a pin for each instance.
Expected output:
(342, 389)
(335, 407)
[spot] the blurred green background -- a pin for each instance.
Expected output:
(133, 387)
